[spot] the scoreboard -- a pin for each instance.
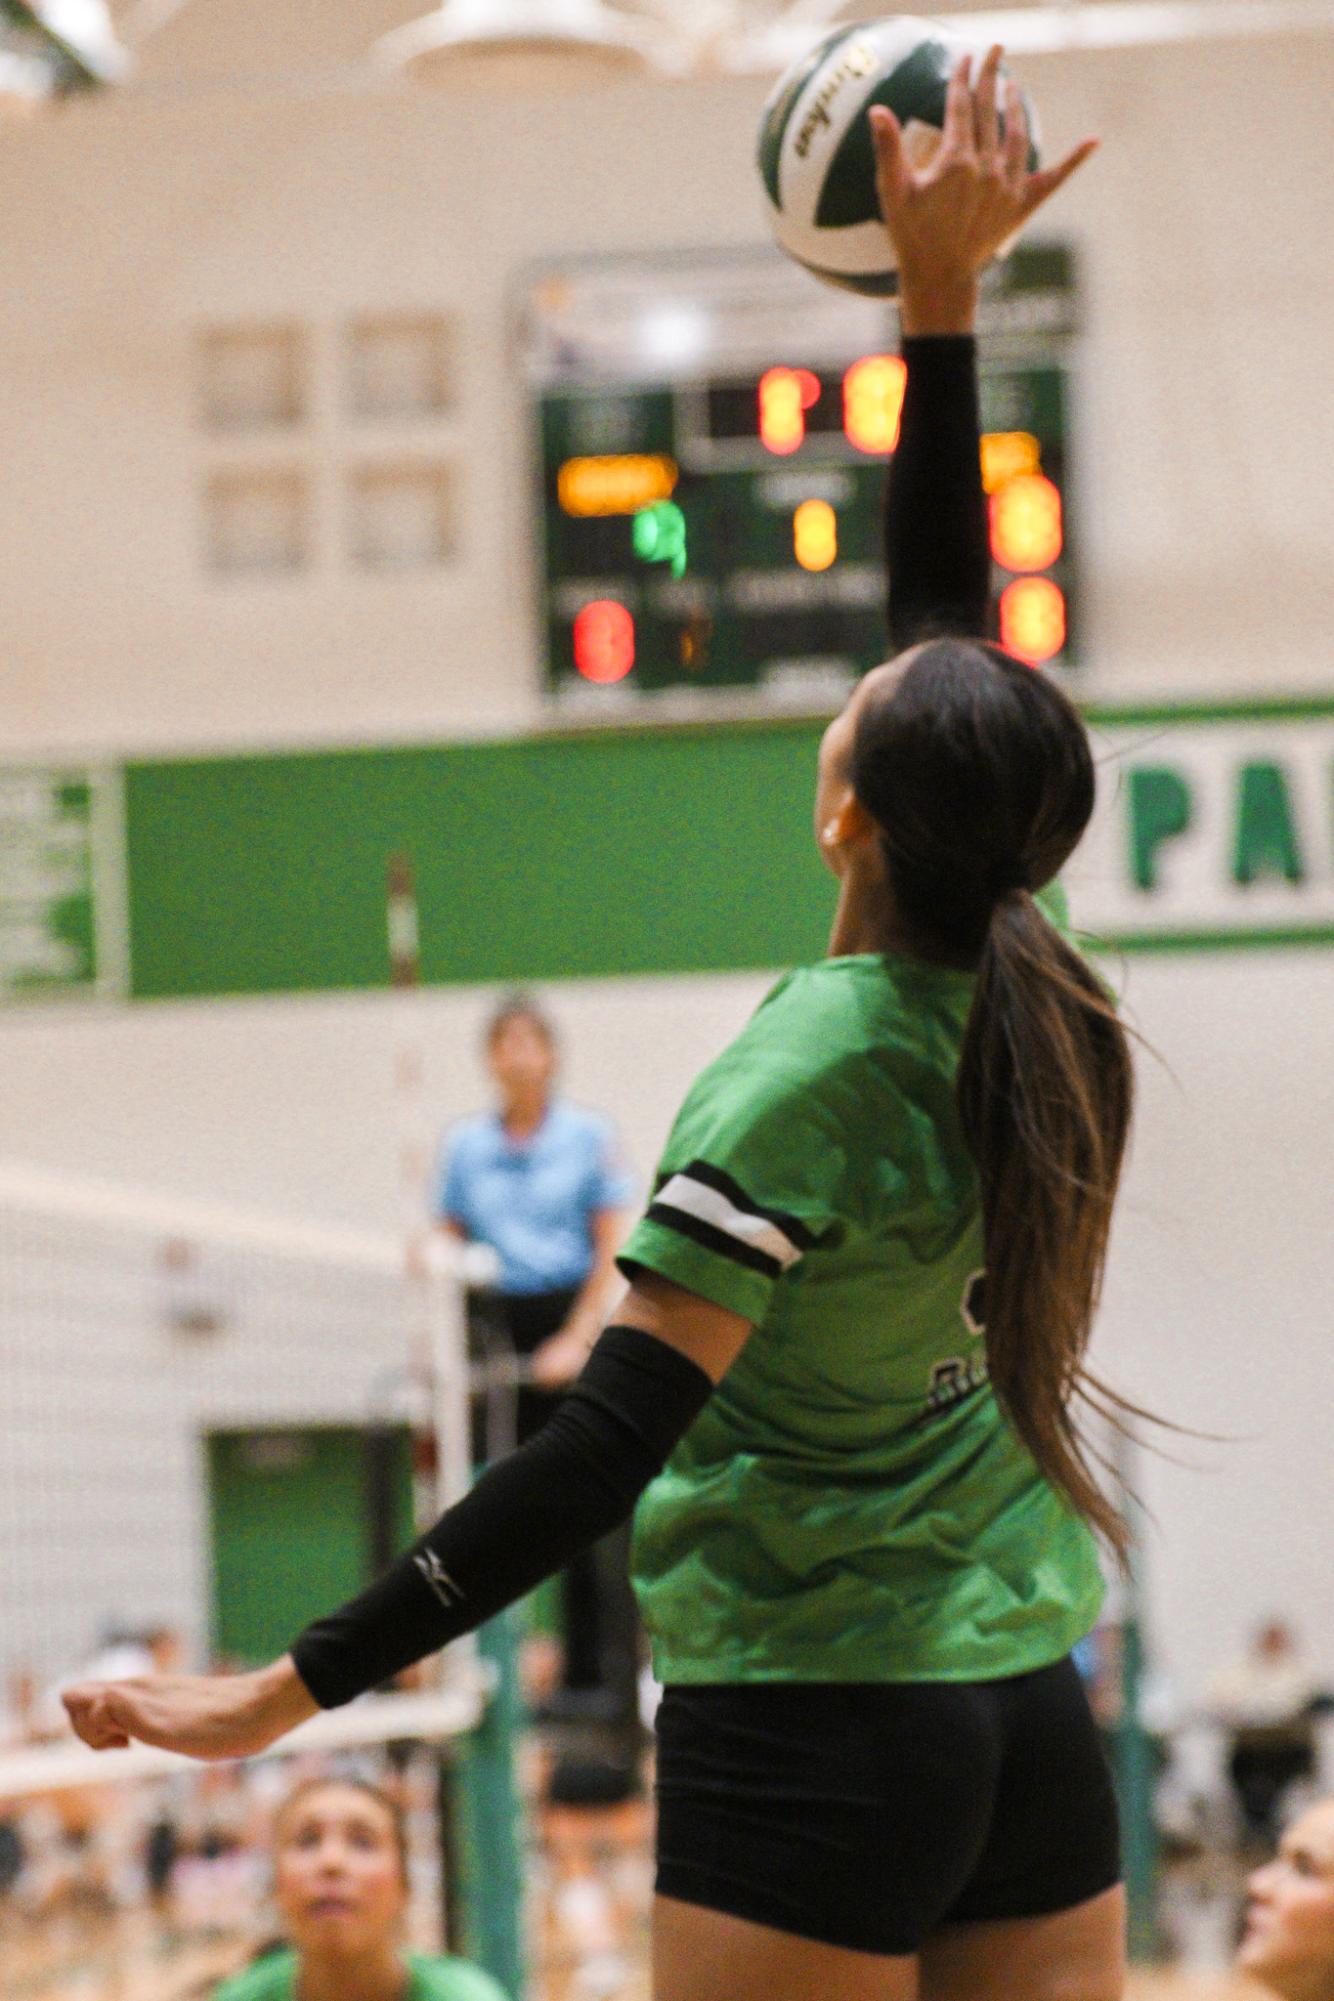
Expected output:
(712, 442)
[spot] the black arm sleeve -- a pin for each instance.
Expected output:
(937, 542)
(525, 1518)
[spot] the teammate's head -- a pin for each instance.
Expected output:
(1289, 1940)
(957, 782)
(521, 1046)
(340, 1868)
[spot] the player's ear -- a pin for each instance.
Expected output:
(850, 825)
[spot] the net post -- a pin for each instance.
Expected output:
(480, 1809)
(492, 1816)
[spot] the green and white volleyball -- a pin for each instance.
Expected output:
(816, 155)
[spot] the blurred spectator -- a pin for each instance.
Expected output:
(1288, 1945)
(541, 1181)
(341, 1889)
(18, 1727)
(1267, 1704)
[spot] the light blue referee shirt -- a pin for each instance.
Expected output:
(534, 1200)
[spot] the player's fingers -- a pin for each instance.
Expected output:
(91, 1713)
(1044, 184)
(1016, 134)
(986, 112)
(890, 166)
(959, 138)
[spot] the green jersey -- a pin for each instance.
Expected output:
(273, 1978)
(850, 1505)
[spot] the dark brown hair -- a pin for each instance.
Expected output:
(978, 773)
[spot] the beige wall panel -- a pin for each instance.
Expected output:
(130, 223)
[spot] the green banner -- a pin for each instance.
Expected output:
(670, 851)
(61, 862)
(605, 853)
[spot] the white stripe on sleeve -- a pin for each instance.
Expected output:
(693, 1198)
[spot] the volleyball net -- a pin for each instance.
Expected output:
(217, 1423)
(153, 1354)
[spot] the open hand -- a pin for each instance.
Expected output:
(949, 216)
(203, 1716)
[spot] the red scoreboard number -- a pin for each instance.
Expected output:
(604, 641)
(828, 417)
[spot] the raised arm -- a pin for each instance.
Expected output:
(947, 220)
(937, 550)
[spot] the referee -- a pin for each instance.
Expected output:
(541, 1181)
(845, 1379)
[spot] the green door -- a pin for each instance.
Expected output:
(300, 1518)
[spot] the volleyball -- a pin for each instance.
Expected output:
(816, 156)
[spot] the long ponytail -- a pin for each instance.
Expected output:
(979, 775)
(1045, 1092)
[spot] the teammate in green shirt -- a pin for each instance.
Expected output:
(849, 1366)
(340, 1883)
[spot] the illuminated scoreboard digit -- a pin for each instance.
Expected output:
(713, 445)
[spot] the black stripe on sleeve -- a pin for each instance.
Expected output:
(711, 1239)
(799, 1234)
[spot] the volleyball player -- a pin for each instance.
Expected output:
(864, 1564)
(1288, 1946)
(340, 1889)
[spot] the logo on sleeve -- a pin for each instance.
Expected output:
(438, 1579)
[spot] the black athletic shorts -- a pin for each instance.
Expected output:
(867, 1815)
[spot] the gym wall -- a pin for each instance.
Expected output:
(1207, 437)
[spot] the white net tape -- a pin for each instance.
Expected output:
(132, 1326)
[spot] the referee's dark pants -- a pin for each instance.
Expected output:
(601, 1625)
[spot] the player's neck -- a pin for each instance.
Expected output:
(867, 922)
(378, 1976)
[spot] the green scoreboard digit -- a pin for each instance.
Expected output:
(712, 441)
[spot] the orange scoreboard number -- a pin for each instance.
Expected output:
(1032, 619)
(785, 395)
(1027, 529)
(815, 535)
(873, 402)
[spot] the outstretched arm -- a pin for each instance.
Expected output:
(947, 220)
(645, 1383)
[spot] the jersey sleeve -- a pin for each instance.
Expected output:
(750, 1183)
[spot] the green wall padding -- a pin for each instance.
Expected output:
(311, 1481)
(558, 857)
